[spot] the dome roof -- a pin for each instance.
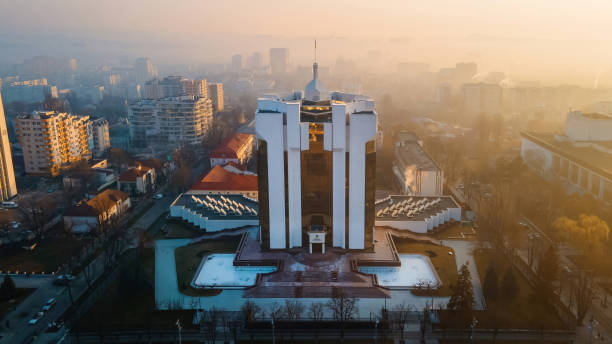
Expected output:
(315, 90)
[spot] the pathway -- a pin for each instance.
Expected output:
(464, 252)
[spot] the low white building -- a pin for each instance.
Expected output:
(416, 173)
(213, 213)
(581, 159)
(419, 214)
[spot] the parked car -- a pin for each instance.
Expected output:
(49, 304)
(9, 205)
(158, 196)
(14, 224)
(51, 189)
(35, 319)
(63, 279)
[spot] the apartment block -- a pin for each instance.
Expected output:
(215, 93)
(8, 188)
(52, 140)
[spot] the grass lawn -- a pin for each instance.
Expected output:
(7, 306)
(116, 310)
(188, 259)
(525, 312)
(444, 263)
(49, 254)
(455, 231)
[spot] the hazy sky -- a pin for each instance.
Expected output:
(520, 36)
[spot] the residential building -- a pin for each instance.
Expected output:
(28, 91)
(416, 173)
(101, 137)
(97, 178)
(197, 88)
(184, 119)
(142, 119)
(8, 187)
(236, 65)
(317, 166)
(230, 179)
(52, 140)
(215, 93)
(482, 98)
(581, 158)
(144, 70)
(105, 206)
(137, 180)
(237, 148)
(279, 60)
(92, 94)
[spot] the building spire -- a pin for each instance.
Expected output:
(315, 66)
(315, 51)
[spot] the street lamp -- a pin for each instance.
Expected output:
(472, 326)
(273, 334)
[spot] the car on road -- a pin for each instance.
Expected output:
(35, 319)
(49, 304)
(14, 224)
(63, 279)
(158, 196)
(51, 189)
(9, 205)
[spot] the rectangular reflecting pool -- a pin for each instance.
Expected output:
(217, 271)
(415, 269)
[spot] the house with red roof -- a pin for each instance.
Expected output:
(137, 180)
(86, 216)
(237, 148)
(228, 179)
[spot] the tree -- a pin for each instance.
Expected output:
(250, 311)
(590, 233)
(490, 287)
(36, 209)
(343, 308)
(583, 293)
(118, 158)
(293, 309)
(315, 311)
(509, 285)
(548, 271)
(462, 298)
(210, 320)
(7, 288)
(182, 178)
(401, 316)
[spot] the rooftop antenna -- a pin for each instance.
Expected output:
(315, 50)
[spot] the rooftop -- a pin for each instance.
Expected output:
(102, 201)
(231, 145)
(220, 207)
(227, 178)
(132, 173)
(581, 153)
(412, 208)
(412, 154)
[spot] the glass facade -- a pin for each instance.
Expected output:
(316, 170)
(262, 180)
(370, 194)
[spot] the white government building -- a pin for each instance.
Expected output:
(317, 162)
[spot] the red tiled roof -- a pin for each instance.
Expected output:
(105, 199)
(153, 163)
(131, 174)
(231, 145)
(220, 179)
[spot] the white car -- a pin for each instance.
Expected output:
(49, 304)
(14, 225)
(35, 319)
(9, 205)
(158, 196)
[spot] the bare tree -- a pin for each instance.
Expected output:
(210, 321)
(400, 316)
(315, 311)
(293, 309)
(36, 209)
(343, 308)
(583, 294)
(250, 311)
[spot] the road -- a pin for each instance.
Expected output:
(19, 330)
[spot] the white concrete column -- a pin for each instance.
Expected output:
(294, 174)
(269, 126)
(339, 140)
(362, 130)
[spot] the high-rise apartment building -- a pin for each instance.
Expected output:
(215, 93)
(197, 88)
(236, 65)
(52, 140)
(29, 91)
(8, 187)
(100, 136)
(144, 69)
(142, 119)
(279, 60)
(482, 98)
(173, 86)
(184, 119)
(317, 166)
